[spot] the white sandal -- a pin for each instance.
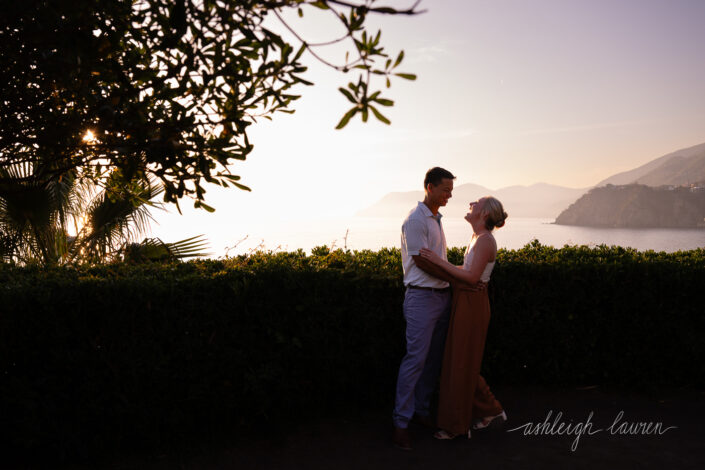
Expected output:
(487, 422)
(442, 434)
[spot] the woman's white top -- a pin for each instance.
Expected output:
(467, 261)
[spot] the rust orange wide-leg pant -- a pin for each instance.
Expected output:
(464, 394)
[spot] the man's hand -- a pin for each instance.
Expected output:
(480, 286)
(425, 253)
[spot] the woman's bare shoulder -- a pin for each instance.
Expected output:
(488, 244)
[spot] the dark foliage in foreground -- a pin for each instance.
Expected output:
(98, 360)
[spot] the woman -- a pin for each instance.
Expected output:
(465, 399)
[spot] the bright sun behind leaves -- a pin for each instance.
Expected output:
(89, 137)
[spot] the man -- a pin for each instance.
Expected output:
(427, 304)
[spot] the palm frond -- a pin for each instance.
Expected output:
(155, 250)
(62, 194)
(116, 216)
(27, 213)
(36, 210)
(190, 247)
(8, 247)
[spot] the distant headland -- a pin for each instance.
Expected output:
(668, 192)
(638, 206)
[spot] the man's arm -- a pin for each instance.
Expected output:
(438, 272)
(432, 269)
(415, 235)
(457, 274)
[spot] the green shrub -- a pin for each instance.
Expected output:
(97, 359)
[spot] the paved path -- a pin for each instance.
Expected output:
(362, 440)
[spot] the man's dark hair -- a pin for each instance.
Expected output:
(435, 175)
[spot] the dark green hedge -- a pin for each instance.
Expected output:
(99, 359)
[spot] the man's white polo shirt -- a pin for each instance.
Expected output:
(421, 229)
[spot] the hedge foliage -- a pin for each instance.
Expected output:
(98, 359)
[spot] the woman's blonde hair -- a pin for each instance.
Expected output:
(495, 213)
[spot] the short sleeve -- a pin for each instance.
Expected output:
(415, 233)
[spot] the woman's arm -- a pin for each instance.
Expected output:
(483, 252)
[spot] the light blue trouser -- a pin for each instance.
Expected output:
(426, 313)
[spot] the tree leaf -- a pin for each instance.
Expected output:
(203, 205)
(400, 57)
(348, 95)
(379, 115)
(406, 76)
(384, 101)
(344, 121)
(242, 186)
(300, 52)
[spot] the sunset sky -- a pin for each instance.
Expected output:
(566, 92)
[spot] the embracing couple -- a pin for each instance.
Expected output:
(446, 331)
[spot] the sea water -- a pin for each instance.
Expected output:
(358, 233)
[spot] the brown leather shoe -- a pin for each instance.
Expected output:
(401, 438)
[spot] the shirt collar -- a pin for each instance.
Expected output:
(427, 212)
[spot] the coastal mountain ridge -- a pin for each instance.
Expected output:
(537, 200)
(681, 168)
(677, 168)
(678, 171)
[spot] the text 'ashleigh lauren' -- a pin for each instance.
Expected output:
(618, 427)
